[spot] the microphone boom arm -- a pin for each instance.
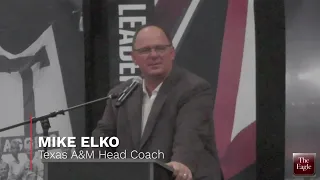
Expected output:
(44, 120)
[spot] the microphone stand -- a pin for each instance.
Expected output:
(44, 120)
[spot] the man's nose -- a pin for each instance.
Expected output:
(153, 52)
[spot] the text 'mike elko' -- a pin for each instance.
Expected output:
(91, 142)
(86, 142)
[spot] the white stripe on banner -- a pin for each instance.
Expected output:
(156, 2)
(245, 112)
(185, 21)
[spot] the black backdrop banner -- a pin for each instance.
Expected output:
(124, 17)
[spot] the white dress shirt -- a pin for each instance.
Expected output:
(147, 104)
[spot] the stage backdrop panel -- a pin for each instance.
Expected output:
(41, 71)
(216, 40)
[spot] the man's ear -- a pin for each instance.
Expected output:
(173, 53)
(133, 57)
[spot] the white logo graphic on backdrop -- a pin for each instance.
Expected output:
(185, 23)
(49, 95)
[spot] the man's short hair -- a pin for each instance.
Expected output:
(149, 25)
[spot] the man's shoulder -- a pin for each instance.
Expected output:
(192, 81)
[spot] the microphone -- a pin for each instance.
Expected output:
(127, 91)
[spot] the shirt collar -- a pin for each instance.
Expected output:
(156, 90)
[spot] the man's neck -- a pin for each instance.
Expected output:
(152, 84)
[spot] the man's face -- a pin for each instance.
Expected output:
(4, 170)
(153, 52)
(15, 149)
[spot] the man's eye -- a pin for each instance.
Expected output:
(144, 50)
(161, 48)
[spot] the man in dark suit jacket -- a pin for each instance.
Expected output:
(170, 112)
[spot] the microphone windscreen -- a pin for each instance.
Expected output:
(137, 79)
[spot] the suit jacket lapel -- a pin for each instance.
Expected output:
(152, 119)
(134, 109)
(157, 106)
